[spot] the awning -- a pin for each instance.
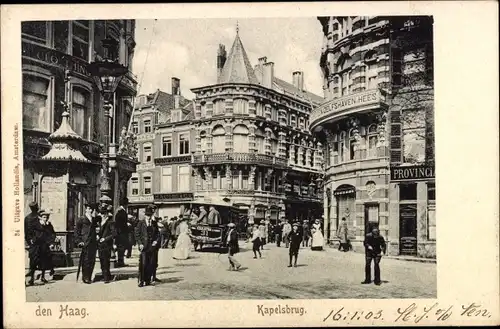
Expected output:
(343, 190)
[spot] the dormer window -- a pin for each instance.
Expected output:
(176, 116)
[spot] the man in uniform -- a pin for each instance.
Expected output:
(121, 224)
(106, 234)
(29, 220)
(148, 237)
(374, 246)
(86, 238)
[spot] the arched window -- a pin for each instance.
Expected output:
(36, 103)
(352, 143)
(219, 107)
(259, 140)
(219, 140)
(240, 106)
(372, 139)
(240, 139)
(203, 141)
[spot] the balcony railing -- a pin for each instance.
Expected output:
(239, 158)
(346, 105)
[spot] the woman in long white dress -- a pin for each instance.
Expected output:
(183, 244)
(317, 236)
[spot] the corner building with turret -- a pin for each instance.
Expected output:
(253, 149)
(376, 126)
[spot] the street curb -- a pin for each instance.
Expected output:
(400, 258)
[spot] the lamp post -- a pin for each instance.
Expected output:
(107, 73)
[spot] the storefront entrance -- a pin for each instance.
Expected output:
(408, 230)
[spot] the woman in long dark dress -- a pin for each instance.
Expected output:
(47, 241)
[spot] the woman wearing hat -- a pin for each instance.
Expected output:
(183, 244)
(317, 236)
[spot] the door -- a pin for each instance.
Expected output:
(408, 230)
(371, 216)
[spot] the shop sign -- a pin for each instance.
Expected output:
(53, 197)
(55, 58)
(412, 173)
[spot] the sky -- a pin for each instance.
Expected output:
(187, 49)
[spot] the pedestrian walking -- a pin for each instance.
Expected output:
(317, 236)
(122, 231)
(342, 234)
(255, 239)
(278, 228)
(287, 229)
(173, 230)
(29, 221)
(374, 247)
(262, 229)
(306, 233)
(86, 238)
(295, 239)
(183, 244)
(106, 235)
(231, 241)
(147, 236)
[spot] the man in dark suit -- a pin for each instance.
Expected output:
(148, 237)
(86, 238)
(231, 241)
(122, 230)
(158, 245)
(374, 246)
(106, 235)
(29, 222)
(295, 238)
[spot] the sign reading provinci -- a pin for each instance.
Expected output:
(412, 173)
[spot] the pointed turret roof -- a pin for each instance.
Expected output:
(237, 68)
(62, 143)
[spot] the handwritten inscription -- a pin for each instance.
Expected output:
(411, 314)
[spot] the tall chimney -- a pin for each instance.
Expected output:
(298, 80)
(176, 86)
(268, 74)
(221, 59)
(259, 69)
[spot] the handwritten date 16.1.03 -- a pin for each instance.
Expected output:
(343, 315)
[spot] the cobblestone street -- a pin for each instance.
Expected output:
(327, 275)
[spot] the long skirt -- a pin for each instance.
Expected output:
(317, 241)
(182, 246)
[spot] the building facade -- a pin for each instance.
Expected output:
(165, 138)
(57, 89)
(376, 121)
(252, 146)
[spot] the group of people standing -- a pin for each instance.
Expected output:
(308, 232)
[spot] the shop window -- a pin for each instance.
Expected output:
(147, 152)
(35, 31)
(134, 184)
(166, 179)
(431, 192)
(219, 140)
(184, 144)
(407, 191)
(36, 108)
(147, 126)
(166, 146)
(135, 127)
(80, 112)
(80, 39)
(184, 175)
(148, 182)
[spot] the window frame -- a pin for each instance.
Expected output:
(134, 180)
(144, 187)
(147, 125)
(164, 143)
(86, 88)
(145, 153)
(180, 175)
(184, 139)
(164, 188)
(38, 73)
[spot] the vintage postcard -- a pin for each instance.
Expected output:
(250, 165)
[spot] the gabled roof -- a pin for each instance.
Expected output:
(290, 89)
(237, 68)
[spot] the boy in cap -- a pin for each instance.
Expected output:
(148, 237)
(295, 239)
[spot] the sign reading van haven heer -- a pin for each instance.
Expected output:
(403, 173)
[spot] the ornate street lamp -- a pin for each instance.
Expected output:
(107, 73)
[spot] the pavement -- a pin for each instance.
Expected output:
(327, 274)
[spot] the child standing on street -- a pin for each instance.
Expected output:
(295, 239)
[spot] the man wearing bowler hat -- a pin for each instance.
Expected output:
(148, 237)
(86, 238)
(122, 231)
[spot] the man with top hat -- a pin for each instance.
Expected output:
(148, 237)
(106, 234)
(86, 238)
(30, 220)
(295, 238)
(122, 231)
(231, 241)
